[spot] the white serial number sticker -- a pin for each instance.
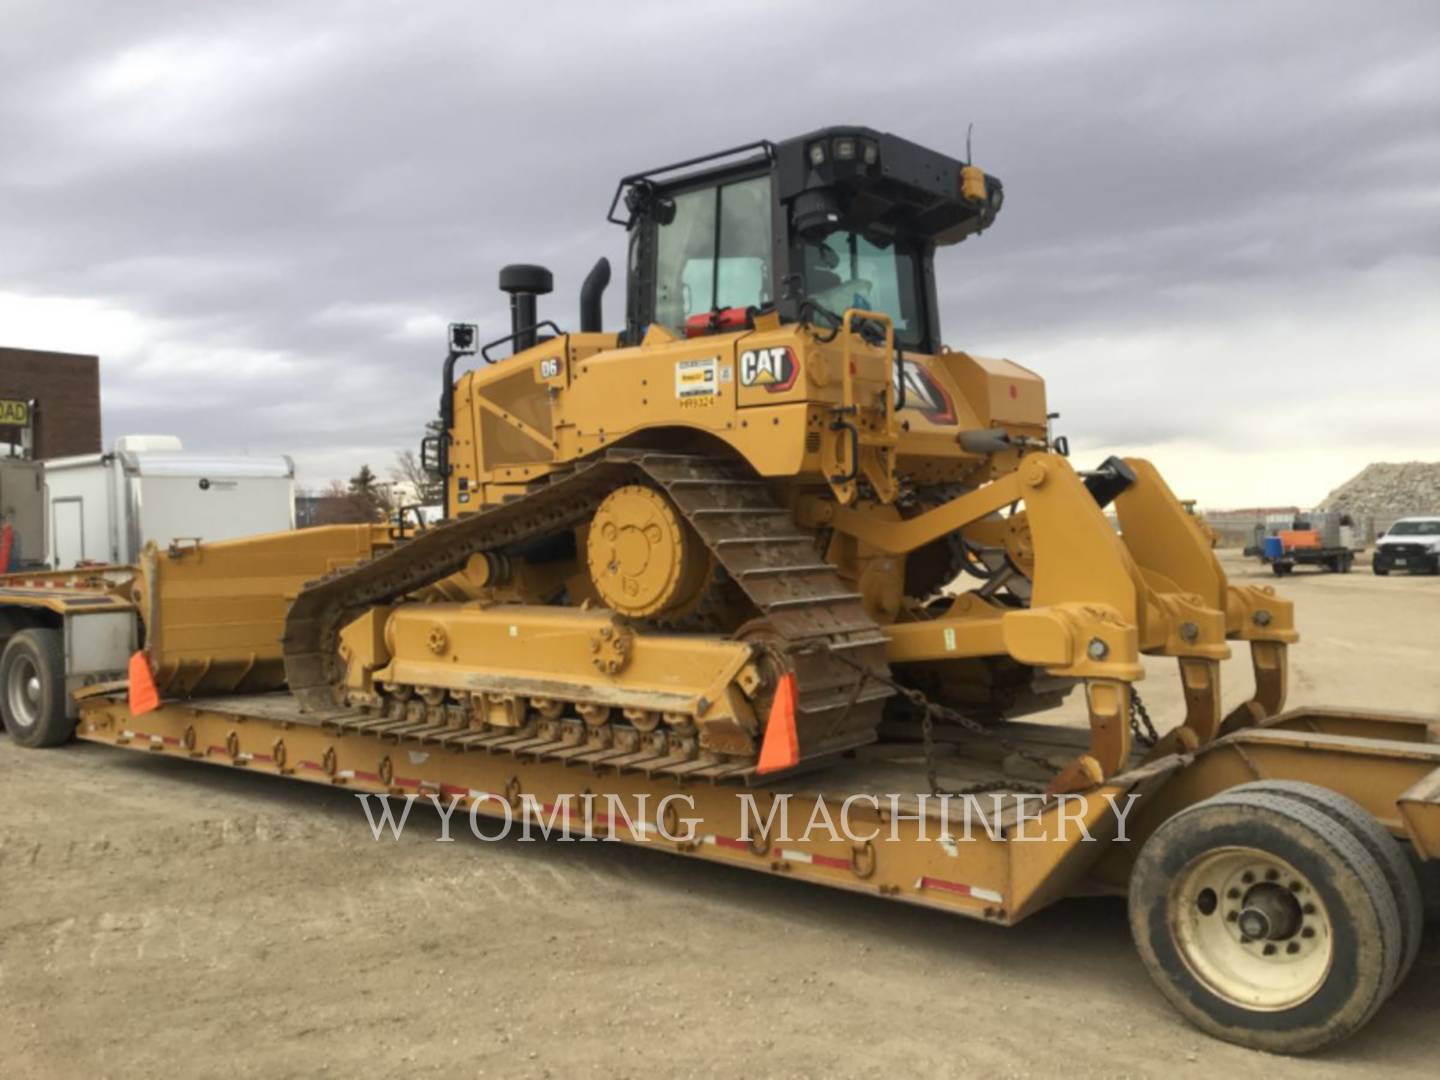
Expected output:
(697, 382)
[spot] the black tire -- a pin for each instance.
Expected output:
(1346, 936)
(32, 689)
(1380, 571)
(1383, 848)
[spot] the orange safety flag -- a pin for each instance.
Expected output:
(781, 748)
(143, 695)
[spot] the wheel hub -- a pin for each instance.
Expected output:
(1271, 912)
(23, 692)
(1252, 928)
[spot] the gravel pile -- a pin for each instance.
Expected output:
(1386, 491)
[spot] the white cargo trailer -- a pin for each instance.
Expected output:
(104, 508)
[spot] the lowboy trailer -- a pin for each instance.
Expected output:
(1271, 873)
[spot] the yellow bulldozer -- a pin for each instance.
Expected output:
(709, 558)
(772, 475)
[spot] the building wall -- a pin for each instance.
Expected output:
(66, 390)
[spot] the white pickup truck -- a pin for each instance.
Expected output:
(1412, 544)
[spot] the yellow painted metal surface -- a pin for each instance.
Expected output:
(757, 393)
(214, 613)
(544, 660)
(1387, 763)
(1014, 857)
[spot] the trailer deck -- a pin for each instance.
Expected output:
(997, 850)
(931, 861)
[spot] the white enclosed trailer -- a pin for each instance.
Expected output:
(104, 508)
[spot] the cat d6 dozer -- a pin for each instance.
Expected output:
(705, 560)
(735, 523)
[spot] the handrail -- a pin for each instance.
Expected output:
(485, 351)
(648, 175)
(847, 414)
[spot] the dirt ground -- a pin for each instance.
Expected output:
(161, 917)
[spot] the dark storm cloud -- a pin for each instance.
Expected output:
(293, 198)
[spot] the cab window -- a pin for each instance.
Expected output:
(846, 270)
(715, 252)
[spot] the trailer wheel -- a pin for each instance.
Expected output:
(1383, 848)
(32, 689)
(1265, 923)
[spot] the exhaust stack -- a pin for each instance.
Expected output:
(591, 316)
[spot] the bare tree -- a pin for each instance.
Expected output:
(337, 504)
(408, 470)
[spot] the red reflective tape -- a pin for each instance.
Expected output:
(261, 757)
(216, 750)
(367, 776)
(831, 861)
(945, 886)
(451, 789)
(731, 842)
(314, 766)
(406, 781)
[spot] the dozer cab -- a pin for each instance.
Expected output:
(771, 475)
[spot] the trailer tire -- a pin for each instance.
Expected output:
(1380, 569)
(1383, 848)
(1265, 923)
(32, 689)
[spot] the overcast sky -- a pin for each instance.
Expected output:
(1220, 242)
